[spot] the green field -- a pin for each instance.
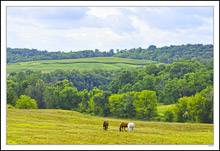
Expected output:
(163, 108)
(84, 63)
(51, 126)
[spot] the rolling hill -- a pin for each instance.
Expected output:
(52, 126)
(84, 63)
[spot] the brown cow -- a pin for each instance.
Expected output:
(123, 125)
(105, 125)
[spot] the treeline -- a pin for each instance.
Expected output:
(138, 105)
(82, 79)
(127, 93)
(23, 54)
(167, 54)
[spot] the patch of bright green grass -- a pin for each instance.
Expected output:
(83, 63)
(163, 108)
(50, 126)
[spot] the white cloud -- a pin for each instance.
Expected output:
(132, 9)
(103, 12)
(105, 28)
(158, 10)
(92, 38)
(207, 26)
(23, 21)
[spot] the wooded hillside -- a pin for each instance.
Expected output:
(166, 54)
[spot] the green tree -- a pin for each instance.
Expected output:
(169, 116)
(146, 104)
(181, 110)
(201, 106)
(208, 93)
(25, 102)
(11, 97)
(20, 76)
(124, 77)
(183, 87)
(199, 80)
(114, 87)
(61, 96)
(127, 109)
(115, 104)
(191, 80)
(148, 82)
(95, 91)
(37, 92)
(12, 86)
(90, 108)
(171, 91)
(197, 108)
(152, 69)
(126, 88)
(152, 47)
(101, 106)
(69, 98)
(137, 87)
(32, 79)
(22, 87)
(11, 92)
(52, 95)
(83, 105)
(63, 84)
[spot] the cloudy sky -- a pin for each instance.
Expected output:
(105, 28)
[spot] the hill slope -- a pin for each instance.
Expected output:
(85, 63)
(70, 127)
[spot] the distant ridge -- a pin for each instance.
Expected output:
(166, 54)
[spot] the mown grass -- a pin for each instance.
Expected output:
(83, 63)
(51, 126)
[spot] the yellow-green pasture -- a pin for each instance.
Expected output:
(84, 63)
(163, 108)
(51, 126)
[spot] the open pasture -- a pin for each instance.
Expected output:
(51, 126)
(83, 63)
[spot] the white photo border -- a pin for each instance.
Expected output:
(5, 4)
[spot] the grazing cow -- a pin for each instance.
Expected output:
(105, 125)
(130, 126)
(123, 125)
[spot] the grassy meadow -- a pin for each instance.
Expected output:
(83, 63)
(163, 108)
(54, 126)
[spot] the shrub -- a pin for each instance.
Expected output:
(168, 116)
(9, 106)
(25, 102)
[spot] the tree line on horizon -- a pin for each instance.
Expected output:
(166, 54)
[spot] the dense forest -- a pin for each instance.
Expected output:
(166, 54)
(128, 93)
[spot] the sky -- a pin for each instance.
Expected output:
(104, 28)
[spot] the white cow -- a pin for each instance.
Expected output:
(130, 126)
